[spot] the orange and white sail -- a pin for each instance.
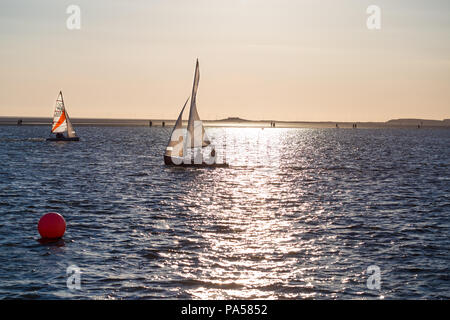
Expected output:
(61, 122)
(59, 117)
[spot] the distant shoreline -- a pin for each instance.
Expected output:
(231, 122)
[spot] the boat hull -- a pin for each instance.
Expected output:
(168, 162)
(64, 139)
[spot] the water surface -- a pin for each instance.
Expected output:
(303, 221)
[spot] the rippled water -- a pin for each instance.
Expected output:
(304, 223)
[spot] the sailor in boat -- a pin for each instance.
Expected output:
(60, 136)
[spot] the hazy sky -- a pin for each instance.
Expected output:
(259, 59)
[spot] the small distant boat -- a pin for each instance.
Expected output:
(61, 123)
(176, 153)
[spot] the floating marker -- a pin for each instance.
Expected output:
(52, 226)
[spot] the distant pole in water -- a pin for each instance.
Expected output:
(150, 123)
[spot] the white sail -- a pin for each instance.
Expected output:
(195, 127)
(176, 143)
(59, 124)
(70, 130)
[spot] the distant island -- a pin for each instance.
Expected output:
(412, 122)
(233, 119)
(234, 122)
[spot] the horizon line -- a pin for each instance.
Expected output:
(239, 119)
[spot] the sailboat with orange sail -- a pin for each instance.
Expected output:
(61, 123)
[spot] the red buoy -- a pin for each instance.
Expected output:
(52, 226)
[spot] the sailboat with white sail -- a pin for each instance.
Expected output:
(191, 146)
(61, 123)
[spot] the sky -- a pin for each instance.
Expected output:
(259, 59)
